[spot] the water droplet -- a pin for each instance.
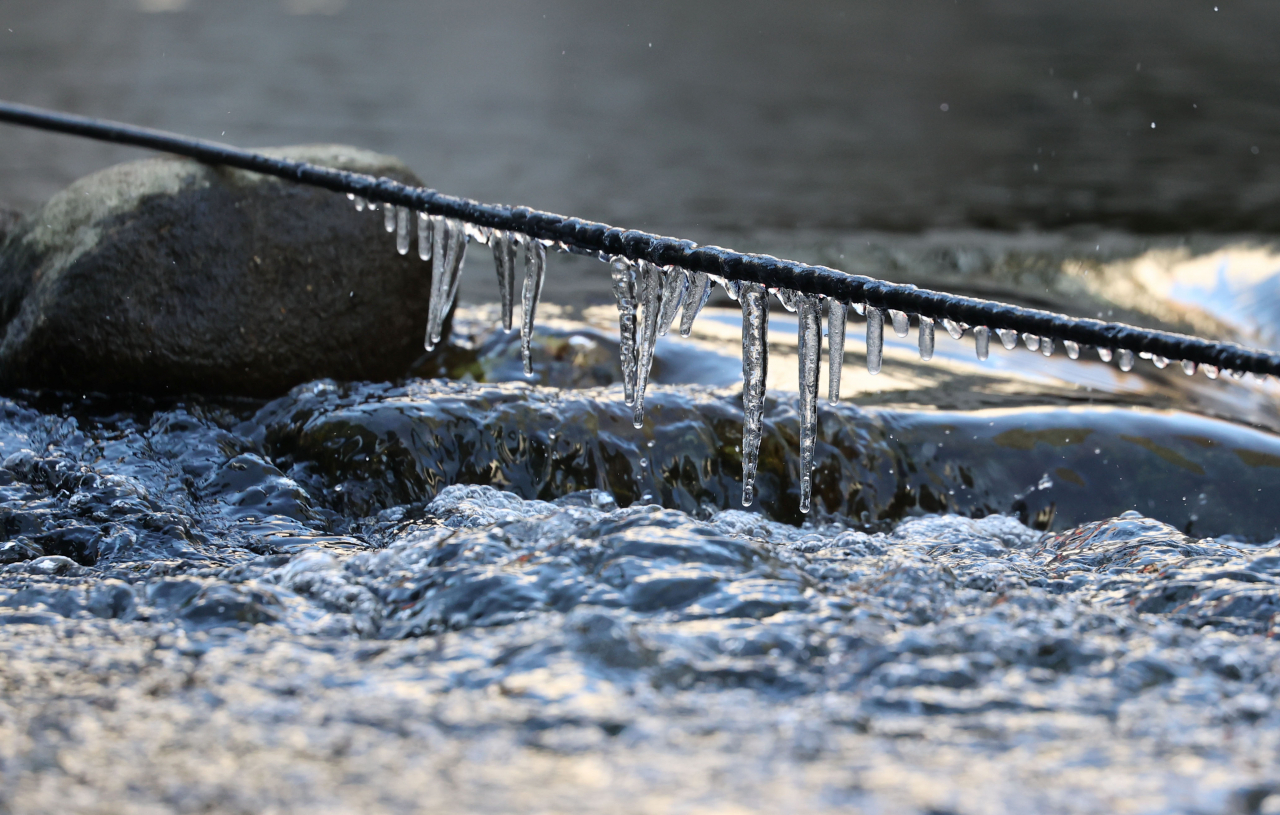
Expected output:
(1126, 359)
(1188, 367)
(1104, 354)
(1210, 371)
(1159, 362)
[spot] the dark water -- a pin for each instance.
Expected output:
(1028, 585)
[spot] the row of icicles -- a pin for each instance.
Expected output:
(649, 298)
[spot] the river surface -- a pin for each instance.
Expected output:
(1027, 584)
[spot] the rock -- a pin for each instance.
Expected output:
(170, 276)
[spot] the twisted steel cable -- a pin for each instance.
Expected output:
(591, 238)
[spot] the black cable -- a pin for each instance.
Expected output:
(587, 237)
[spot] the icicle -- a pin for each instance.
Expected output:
(733, 288)
(1125, 359)
(389, 217)
(755, 368)
(875, 339)
(1210, 371)
(477, 233)
(1046, 346)
(695, 299)
(624, 290)
(953, 328)
(675, 285)
(836, 314)
(982, 341)
(1104, 354)
(810, 343)
(1032, 341)
(1236, 374)
(360, 203)
(402, 230)
(504, 262)
(901, 325)
(424, 236)
(535, 268)
(450, 247)
(1144, 355)
(649, 286)
(788, 298)
(1008, 338)
(1073, 349)
(351, 196)
(1188, 367)
(1159, 361)
(926, 337)
(860, 309)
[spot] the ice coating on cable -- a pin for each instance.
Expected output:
(925, 331)
(504, 263)
(624, 291)
(836, 315)
(810, 348)
(875, 339)
(649, 288)
(535, 269)
(755, 367)
(696, 297)
(402, 230)
(675, 283)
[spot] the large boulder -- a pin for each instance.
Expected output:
(170, 276)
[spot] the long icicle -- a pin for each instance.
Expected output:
(650, 288)
(875, 339)
(836, 313)
(926, 337)
(624, 291)
(755, 367)
(439, 264)
(699, 293)
(810, 343)
(675, 287)
(504, 261)
(535, 269)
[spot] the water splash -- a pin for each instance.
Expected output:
(535, 269)
(810, 350)
(650, 286)
(698, 294)
(402, 230)
(504, 246)
(875, 339)
(901, 325)
(982, 341)
(624, 291)
(755, 367)
(1008, 338)
(925, 330)
(836, 315)
(675, 286)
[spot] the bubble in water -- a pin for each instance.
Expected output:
(875, 339)
(1031, 341)
(1008, 338)
(1126, 359)
(901, 325)
(982, 341)
(1073, 349)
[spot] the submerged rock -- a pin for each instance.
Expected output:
(169, 276)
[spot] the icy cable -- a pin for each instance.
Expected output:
(655, 276)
